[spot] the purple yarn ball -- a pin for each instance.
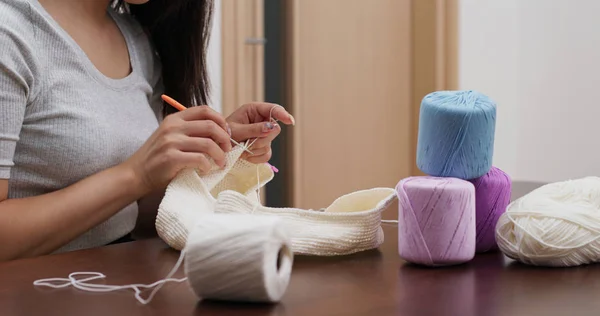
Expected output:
(436, 220)
(492, 196)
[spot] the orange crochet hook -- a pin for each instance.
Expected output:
(173, 103)
(181, 107)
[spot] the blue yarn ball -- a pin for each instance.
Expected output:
(456, 134)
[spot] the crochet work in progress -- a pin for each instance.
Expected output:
(351, 224)
(190, 195)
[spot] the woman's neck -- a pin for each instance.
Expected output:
(90, 10)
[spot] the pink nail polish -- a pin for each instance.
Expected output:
(273, 168)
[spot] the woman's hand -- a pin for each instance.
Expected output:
(187, 139)
(252, 121)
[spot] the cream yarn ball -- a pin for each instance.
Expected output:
(556, 225)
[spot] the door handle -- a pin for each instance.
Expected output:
(255, 41)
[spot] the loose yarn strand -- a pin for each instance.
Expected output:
(258, 185)
(169, 277)
(91, 287)
(271, 119)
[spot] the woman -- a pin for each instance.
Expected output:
(85, 153)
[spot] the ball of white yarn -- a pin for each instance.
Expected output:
(556, 225)
(238, 257)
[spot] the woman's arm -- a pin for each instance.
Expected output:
(39, 225)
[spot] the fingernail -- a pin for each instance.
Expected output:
(273, 168)
(269, 126)
(293, 120)
(228, 130)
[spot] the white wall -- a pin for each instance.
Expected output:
(214, 59)
(539, 60)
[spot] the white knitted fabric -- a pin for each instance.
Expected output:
(351, 224)
(191, 195)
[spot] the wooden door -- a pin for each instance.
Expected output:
(357, 73)
(242, 52)
(242, 28)
(350, 91)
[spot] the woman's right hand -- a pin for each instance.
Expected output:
(187, 139)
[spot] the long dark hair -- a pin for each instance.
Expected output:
(180, 31)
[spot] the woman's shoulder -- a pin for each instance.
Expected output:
(20, 25)
(18, 35)
(12, 7)
(16, 17)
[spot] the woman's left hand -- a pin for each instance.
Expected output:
(253, 120)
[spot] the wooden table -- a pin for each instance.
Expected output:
(369, 283)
